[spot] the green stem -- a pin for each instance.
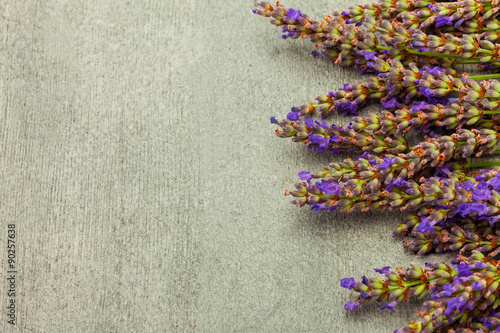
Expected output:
(432, 54)
(485, 77)
(491, 111)
(481, 164)
(466, 62)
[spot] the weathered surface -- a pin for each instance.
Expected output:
(145, 182)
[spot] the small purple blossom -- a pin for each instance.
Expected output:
(273, 120)
(427, 92)
(481, 194)
(384, 270)
(454, 303)
(495, 182)
(443, 20)
(463, 270)
(366, 155)
(304, 175)
(389, 306)
(387, 163)
(351, 306)
(335, 138)
(316, 54)
(398, 183)
(425, 225)
(348, 283)
(390, 103)
(293, 116)
(459, 23)
(370, 55)
(309, 122)
(293, 14)
(419, 106)
(329, 187)
(477, 285)
(434, 71)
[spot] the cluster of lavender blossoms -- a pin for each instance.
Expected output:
(416, 51)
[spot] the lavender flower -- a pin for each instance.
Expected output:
(321, 136)
(450, 235)
(463, 297)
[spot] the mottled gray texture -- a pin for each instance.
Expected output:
(141, 170)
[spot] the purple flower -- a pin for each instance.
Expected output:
(349, 107)
(387, 163)
(293, 116)
(416, 44)
(495, 182)
(480, 195)
(468, 185)
(477, 285)
(444, 170)
(434, 71)
(480, 265)
(390, 104)
(370, 55)
(453, 303)
(351, 306)
(335, 138)
(309, 122)
(366, 155)
(329, 187)
(463, 270)
(316, 53)
(364, 295)
(443, 20)
(304, 175)
(398, 183)
(365, 280)
(348, 283)
(384, 270)
(293, 14)
(273, 120)
(389, 306)
(425, 225)
(427, 92)
(419, 106)
(481, 208)
(459, 22)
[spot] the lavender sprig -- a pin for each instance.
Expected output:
(321, 136)
(422, 116)
(436, 199)
(464, 234)
(461, 298)
(398, 285)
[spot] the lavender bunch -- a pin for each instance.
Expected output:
(465, 297)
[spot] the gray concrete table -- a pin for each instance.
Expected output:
(146, 185)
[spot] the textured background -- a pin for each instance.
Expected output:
(141, 170)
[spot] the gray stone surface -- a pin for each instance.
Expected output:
(140, 168)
